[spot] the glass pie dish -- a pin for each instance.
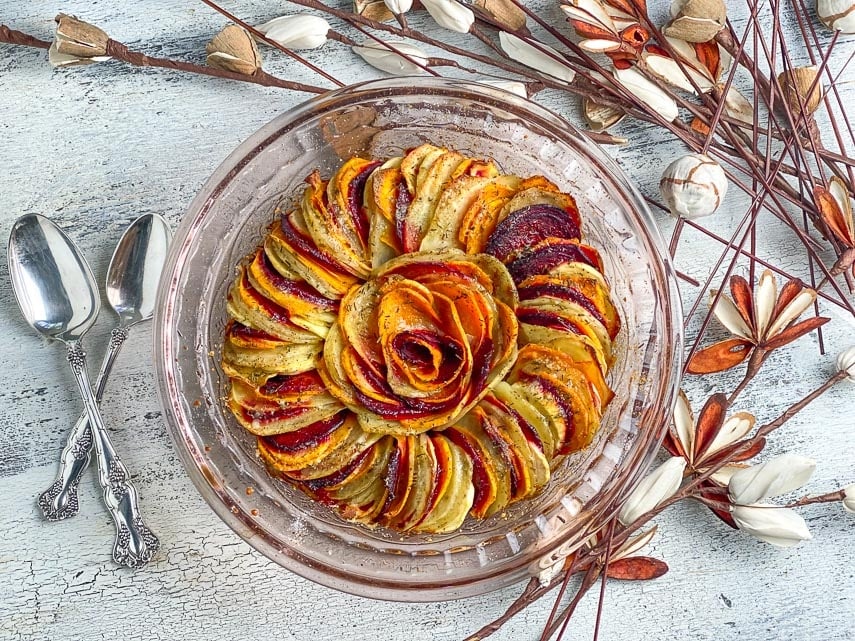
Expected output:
(230, 216)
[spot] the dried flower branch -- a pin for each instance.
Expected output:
(761, 321)
(118, 51)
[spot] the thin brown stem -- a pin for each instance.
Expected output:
(829, 497)
(121, 52)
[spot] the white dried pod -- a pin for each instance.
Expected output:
(634, 544)
(450, 14)
(774, 477)
(838, 15)
(511, 86)
(723, 474)
(684, 423)
(846, 363)
(765, 297)
(57, 59)
(299, 31)
(728, 315)
(849, 498)
(735, 428)
(696, 20)
(600, 46)
(791, 312)
(659, 485)
(737, 106)
(678, 75)
(398, 6)
(693, 186)
(538, 58)
(648, 92)
(776, 525)
(390, 61)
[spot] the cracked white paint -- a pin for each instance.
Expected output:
(94, 147)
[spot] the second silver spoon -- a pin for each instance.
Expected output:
(132, 279)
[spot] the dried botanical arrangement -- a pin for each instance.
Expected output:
(681, 76)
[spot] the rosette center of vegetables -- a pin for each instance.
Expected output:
(422, 341)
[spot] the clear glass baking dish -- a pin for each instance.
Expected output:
(229, 217)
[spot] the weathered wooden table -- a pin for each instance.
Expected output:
(95, 147)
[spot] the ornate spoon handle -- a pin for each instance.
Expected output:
(59, 501)
(135, 543)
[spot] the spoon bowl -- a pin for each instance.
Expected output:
(135, 268)
(53, 284)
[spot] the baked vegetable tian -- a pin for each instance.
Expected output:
(421, 339)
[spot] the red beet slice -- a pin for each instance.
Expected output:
(528, 226)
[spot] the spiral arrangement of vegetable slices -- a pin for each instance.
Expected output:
(421, 340)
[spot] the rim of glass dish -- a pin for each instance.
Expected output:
(194, 459)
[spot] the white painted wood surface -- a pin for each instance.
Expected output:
(95, 147)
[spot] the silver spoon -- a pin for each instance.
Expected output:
(58, 296)
(132, 279)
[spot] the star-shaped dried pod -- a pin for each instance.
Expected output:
(835, 209)
(697, 20)
(607, 27)
(234, 49)
(764, 319)
(705, 441)
(708, 441)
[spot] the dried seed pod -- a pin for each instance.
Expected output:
(659, 485)
(450, 14)
(737, 106)
(774, 477)
(648, 92)
(233, 49)
(399, 6)
(390, 61)
(504, 13)
(776, 525)
(599, 116)
(849, 491)
(299, 31)
(693, 186)
(846, 363)
(697, 20)
(838, 15)
(536, 57)
(78, 38)
(801, 89)
(374, 9)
